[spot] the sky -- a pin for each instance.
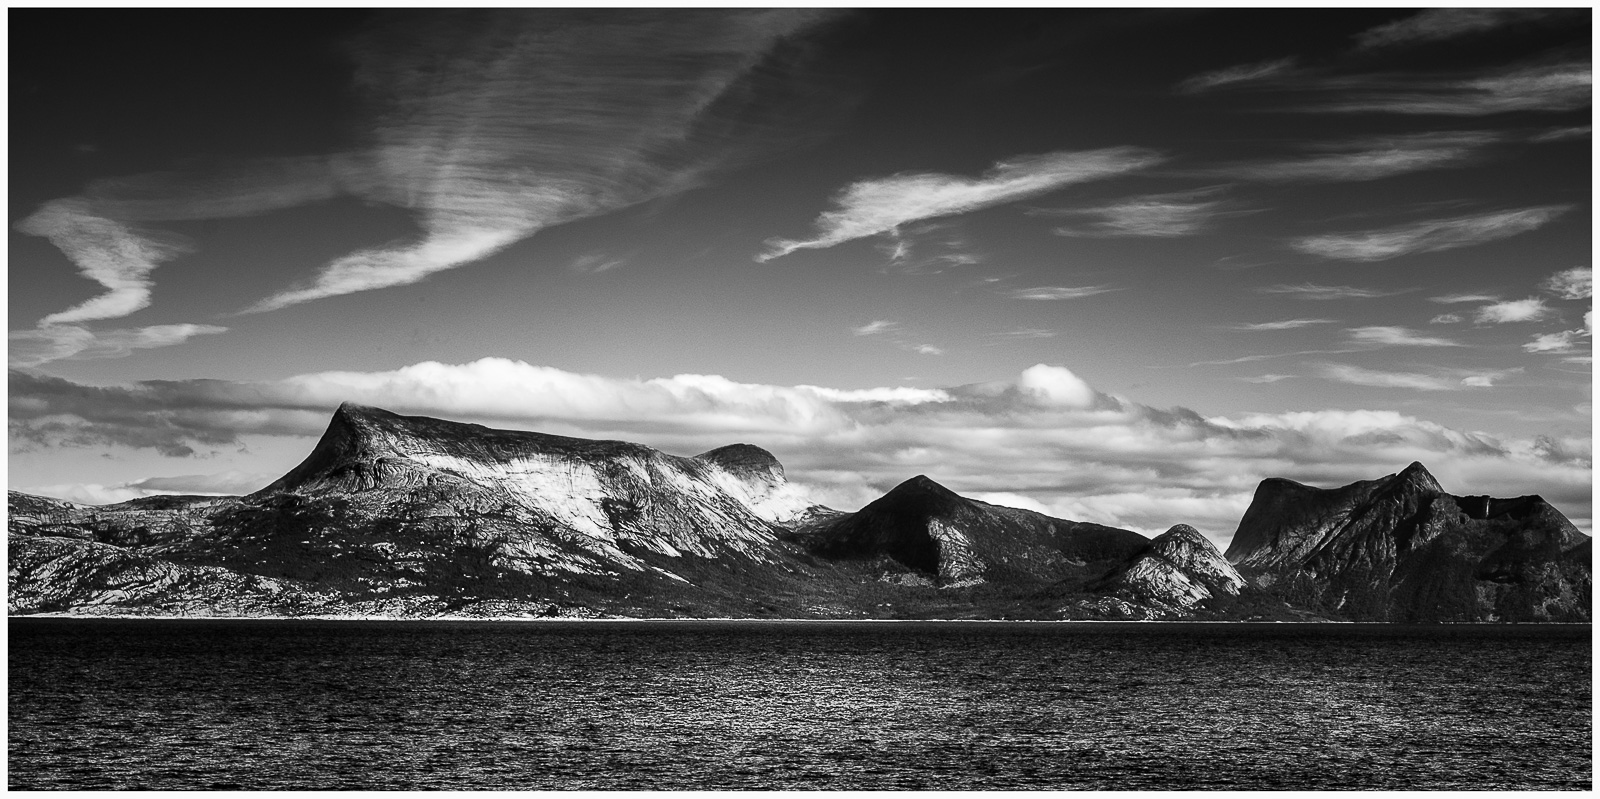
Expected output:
(1113, 265)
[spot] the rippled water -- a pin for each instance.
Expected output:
(794, 705)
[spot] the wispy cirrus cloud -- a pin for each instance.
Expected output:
(1024, 334)
(1388, 336)
(1058, 292)
(1451, 299)
(1439, 24)
(1355, 375)
(114, 254)
(1283, 324)
(1153, 215)
(1366, 158)
(1314, 291)
(875, 327)
(1576, 283)
(882, 205)
(62, 342)
(1267, 378)
(1541, 87)
(1428, 236)
(496, 124)
(532, 122)
(1044, 435)
(1564, 134)
(1528, 310)
(1445, 319)
(1242, 74)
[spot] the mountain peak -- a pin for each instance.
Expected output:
(1418, 477)
(743, 459)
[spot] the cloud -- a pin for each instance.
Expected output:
(595, 263)
(114, 254)
(1450, 299)
(1528, 310)
(1543, 87)
(927, 349)
(927, 249)
(491, 126)
(1356, 375)
(58, 342)
(1044, 436)
(1385, 336)
(1268, 378)
(1236, 75)
(1564, 133)
(1284, 324)
(1313, 291)
(1438, 24)
(1428, 236)
(1445, 319)
(872, 207)
(1367, 158)
(875, 327)
(506, 123)
(1562, 342)
(1154, 215)
(1026, 333)
(1057, 292)
(1576, 283)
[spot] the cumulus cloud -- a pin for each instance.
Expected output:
(1044, 436)
(1428, 236)
(1576, 283)
(1313, 291)
(1438, 24)
(58, 342)
(1387, 336)
(877, 206)
(1057, 292)
(1154, 216)
(1562, 342)
(1283, 324)
(1528, 310)
(1242, 74)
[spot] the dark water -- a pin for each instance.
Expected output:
(308, 705)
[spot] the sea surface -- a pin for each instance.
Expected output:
(96, 703)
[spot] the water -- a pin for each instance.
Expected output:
(794, 705)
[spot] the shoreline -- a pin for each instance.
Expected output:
(736, 620)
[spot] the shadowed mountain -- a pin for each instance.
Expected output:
(1401, 549)
(925, 528)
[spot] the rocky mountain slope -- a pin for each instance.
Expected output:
(1179, 569)
(403, 516)
(921, 529)
(1402, 549)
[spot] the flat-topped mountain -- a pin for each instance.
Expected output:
(408, 516)
(1400, 548)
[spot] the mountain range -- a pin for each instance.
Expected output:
(413, 517)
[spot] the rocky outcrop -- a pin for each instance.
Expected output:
(1402, 549)
(1178, 570)
(924, 527)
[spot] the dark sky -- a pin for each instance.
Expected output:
(1115, 264)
